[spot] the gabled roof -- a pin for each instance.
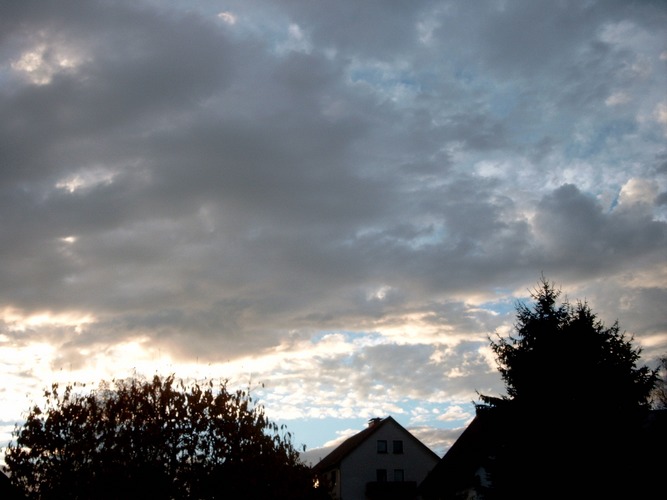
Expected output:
(467, 453)
(7, 490)
(334, 458)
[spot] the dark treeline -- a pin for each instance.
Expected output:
(158, 439)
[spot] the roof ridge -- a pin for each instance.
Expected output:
(347, 446)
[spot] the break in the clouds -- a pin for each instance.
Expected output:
(341, 200)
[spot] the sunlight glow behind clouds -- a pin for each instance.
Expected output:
(228, 17)
(637, 191)
(15, 320)
(86, 179)
(42, 62)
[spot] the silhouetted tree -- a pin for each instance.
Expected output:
(659, 394)
(563, 356)
(155, 439)
(575, 402)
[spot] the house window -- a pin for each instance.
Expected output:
(382, 446)
(398, 446)
(399, 475)
(381, 475)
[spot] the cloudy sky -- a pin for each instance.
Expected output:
(339, 200)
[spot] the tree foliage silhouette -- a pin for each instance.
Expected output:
(158, 438)
(575, 404)
(563, 356)
(659, 394)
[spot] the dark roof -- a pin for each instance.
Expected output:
(474, 447)
(346, 447)
(493, 429)
(7, 490)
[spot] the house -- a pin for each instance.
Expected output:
(383, 461)
(499, 452)
(7, 490)
(464, 472)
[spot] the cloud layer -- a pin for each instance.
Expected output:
(342, 200)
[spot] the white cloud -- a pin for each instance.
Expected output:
(617, 99)
(660, 114)
(637, 191)
(296, 41)
(42, 62)
(86, 179)
(341, 436)
(228, 17)
(455, 412)
(17, 321)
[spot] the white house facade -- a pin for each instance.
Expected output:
(384, 461)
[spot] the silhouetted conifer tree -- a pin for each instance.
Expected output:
(576, 400)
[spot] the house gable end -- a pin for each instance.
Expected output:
(333, 459)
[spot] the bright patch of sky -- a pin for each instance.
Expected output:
(41, 63)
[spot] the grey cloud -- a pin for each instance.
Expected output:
(135, 77)
(633, 305)
(378, 29)
(225, 190)
(581, 238)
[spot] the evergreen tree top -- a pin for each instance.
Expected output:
(562, 355)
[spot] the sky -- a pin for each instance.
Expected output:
(332, 203)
